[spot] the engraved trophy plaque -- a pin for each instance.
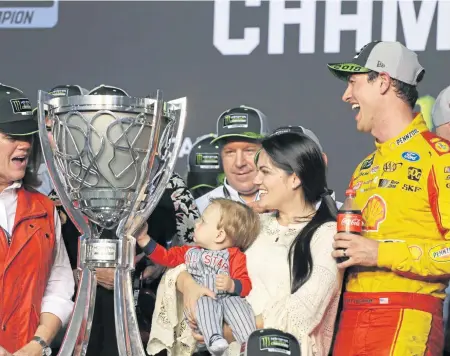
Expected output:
(110, 159)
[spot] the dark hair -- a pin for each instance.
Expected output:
(407, 92)
(297, 153)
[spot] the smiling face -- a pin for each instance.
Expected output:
(238, 160)
(364, 97)
(14, 154)
(276, 187)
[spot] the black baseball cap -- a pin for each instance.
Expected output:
(108, 90)
(66, 90)
(270, 342)
(16, 113)
(204, 164)
(392, 58)
(299, 130)
(242, 122)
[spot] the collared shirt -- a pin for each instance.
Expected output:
(60, 286)
(222, 191)
(227, 191)
(46, 183)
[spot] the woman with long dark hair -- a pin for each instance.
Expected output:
(296, 283)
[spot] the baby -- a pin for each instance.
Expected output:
(217, 262)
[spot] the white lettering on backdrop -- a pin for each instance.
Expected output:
(416, 26)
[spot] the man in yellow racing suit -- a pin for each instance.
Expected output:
(398, 271)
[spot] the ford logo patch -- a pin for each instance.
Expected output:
(410, 156)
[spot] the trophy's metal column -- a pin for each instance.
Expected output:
(110, 159)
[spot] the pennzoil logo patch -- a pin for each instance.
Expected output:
(440, 253)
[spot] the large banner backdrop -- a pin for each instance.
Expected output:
(268, 54)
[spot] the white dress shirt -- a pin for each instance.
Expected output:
(46, 183)
(60, 286)
(222, 191)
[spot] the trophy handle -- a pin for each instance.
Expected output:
(76, 339)
(138, 217)
(135, 220)
(75, 215)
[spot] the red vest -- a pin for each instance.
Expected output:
(25, 268)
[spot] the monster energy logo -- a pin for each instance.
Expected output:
(207, 160)
(274, 343)
(235, 120)
(21, 105)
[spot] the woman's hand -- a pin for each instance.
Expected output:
(30, 349)
(105, 277)
(259, 322)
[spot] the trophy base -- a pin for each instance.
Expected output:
(100, 253)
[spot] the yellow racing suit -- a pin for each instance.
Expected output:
(403, 190)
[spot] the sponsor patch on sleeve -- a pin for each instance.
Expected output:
(416, 252)
(440, 253)
(440, 145)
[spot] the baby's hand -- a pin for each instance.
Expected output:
(225, 283)
(142, 237)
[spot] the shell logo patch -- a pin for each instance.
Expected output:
(416, 252)
(441, 147)
(374, 213)
(440, 253)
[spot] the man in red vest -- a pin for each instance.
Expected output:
(36, 281)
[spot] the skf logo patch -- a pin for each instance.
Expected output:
(21, 105)
(440, 253)
(411, 188)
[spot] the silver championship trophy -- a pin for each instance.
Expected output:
(110, 159)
